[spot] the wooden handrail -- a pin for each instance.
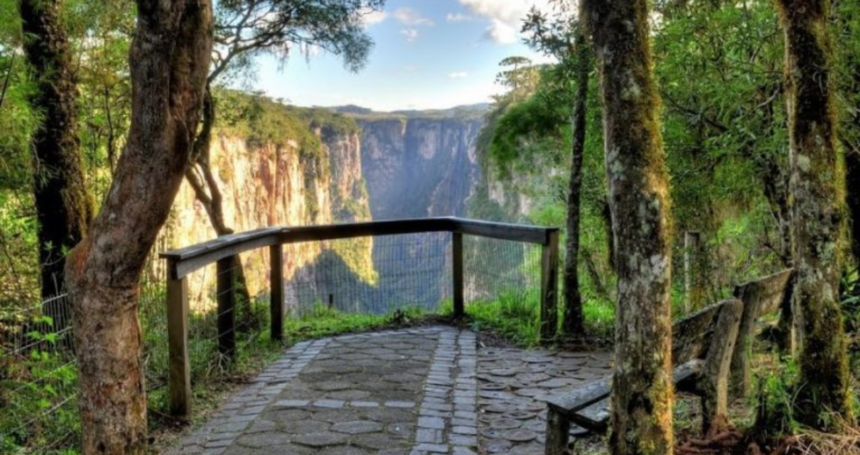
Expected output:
(224, 251)
(183, 261)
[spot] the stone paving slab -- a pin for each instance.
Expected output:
(415, 391)
(512, 383)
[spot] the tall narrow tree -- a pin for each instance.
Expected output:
(574, 319)
(563, 38)
(818, 194)
(639, 202)
(169, 58)
(63, 206)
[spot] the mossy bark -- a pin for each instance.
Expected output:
(169, 59)
(573, 322)
(817, 195)
(63, 206)
(639, 202)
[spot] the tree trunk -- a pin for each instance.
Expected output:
(694, 272)
(776, 193)
(594, 274)
(206, 192)
(818, 192)
(169, 58)
(63, 206)
(641, 400)
(573, 322)
(606, 217)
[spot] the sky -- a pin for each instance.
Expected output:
(429, 54)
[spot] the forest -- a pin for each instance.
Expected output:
(684, 148)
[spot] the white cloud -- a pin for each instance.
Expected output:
(458, 75)
(505, 16)
(459, 17)
(372, 17)
(411, 34)
(409, 16)
(501, 32)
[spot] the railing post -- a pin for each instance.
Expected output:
(549, 287)
(276, 302)
(226, 294)
(457, 268)
(179, 367)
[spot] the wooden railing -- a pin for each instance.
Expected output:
(224, 250)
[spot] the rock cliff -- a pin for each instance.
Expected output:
(420, 167)
(309, 175)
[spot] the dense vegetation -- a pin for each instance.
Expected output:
(725, 133)
(746, 121)
(725, 127)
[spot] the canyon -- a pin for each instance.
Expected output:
(322, 167)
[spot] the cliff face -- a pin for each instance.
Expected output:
(420, 167)
(287, 184)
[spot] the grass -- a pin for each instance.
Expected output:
(514, 315)
(323, 321)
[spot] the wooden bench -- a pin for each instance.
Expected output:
(766, 295)
(703, 344)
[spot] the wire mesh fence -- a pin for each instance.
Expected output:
(37, 376)
(404, 271)
(496, 268)
(228, 325)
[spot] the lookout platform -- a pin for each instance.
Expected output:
(424, 390)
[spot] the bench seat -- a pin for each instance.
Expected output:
(588, 406)
(703, 344)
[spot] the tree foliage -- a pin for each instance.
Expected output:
(247, 28)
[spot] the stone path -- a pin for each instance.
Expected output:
(512, 382)
(415, 391)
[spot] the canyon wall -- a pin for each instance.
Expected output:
(288, 183)
(420, 167)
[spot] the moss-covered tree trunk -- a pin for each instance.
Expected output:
(169, 60)
(573, 322)
(817, 192)
(63, 206)
(638, 195)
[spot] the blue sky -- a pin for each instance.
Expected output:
(429, 54)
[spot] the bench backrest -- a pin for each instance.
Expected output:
(765, 295)
(693, 335)
(760, 297)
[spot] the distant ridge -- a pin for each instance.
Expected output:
(464, 111)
